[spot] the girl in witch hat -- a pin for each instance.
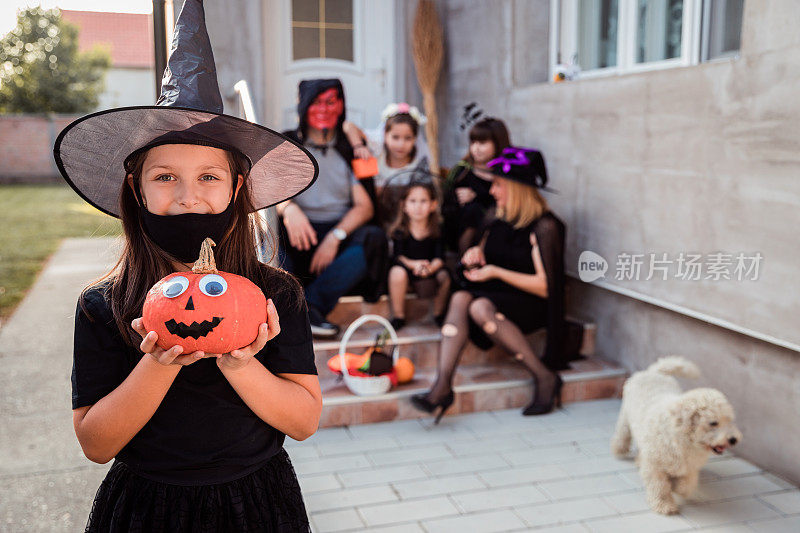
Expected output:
(196, 438)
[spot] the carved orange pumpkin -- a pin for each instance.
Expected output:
(204, 309)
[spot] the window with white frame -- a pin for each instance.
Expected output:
(600, 37)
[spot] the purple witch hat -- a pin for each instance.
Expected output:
(92, 152)
(523, 165)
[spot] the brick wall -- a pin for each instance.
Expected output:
(26, 147)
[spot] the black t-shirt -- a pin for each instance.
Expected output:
(202, 432)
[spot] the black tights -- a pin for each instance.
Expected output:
(501, 330)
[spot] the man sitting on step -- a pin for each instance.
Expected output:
(325, 238)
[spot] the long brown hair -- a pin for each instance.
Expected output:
(142, 262)
(489, 129)
(400, 226)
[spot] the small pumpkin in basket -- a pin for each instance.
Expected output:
(205, 309)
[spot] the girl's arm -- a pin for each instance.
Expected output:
(291, 403)
(105, 427)
(436, 264)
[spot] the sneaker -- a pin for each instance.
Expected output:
(319, 326)
(397, 323)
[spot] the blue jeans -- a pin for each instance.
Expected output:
(342, 275)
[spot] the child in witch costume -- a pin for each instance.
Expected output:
(196, 438)
(327, 240)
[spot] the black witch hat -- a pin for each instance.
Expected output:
(93, 151)
(523, 165)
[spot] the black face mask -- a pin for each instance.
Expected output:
(182, 235)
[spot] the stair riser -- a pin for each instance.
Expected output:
(368, 411)
(344, 313)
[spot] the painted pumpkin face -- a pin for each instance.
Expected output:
(212, 311)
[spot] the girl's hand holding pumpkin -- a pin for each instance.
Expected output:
(164, 357)
(237, 359)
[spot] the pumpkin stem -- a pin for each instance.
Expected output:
(206, 264)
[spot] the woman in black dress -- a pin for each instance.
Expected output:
(513, 284)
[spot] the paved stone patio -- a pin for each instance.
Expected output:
(500, 471)
(491, 471)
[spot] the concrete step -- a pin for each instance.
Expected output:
(478, 387)
(420, 343)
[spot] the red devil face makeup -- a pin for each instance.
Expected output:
(325, 110)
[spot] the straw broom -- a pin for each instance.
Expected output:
(428, 51)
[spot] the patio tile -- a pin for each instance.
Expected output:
(628, 502)
(569, 528)
(524, 474)
(336, 521)
(728, 488)
(727, 528)
(375, 476)
(492, 445)
(597, 465)
(649, 522)
(589, 486)
(442, 485)
(715, 514)
(731, 466)
(403, 528)
(320, 466)
(409, 455)
(310, 484)
(476, 523)
(407, 511)
(498, 498)
(780, 525)
(556, 454)
(564, 512)
(460, 465)
(357, 445)
(785, 502)
(341, 499)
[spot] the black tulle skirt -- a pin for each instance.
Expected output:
(268, 499)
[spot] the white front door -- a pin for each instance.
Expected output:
(353, 40)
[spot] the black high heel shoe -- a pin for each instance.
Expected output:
(421, 402)
(541, 408)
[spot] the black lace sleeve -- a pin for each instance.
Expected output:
(551, 234)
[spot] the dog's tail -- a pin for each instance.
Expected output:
(675, 365)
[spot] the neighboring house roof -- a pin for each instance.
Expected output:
(129, 36)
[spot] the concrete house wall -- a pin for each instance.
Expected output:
(701, 158)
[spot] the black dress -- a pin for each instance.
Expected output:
(429, 248)
(459, 218)
(204, 461)
(511, 248)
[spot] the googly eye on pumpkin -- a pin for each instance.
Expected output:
(175, 286)
(213, 285)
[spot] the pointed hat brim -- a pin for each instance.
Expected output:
(91, 152)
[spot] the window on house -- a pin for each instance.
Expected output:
(601, 37)
(722, 28)
(659, 25)
(322, 29)
(597, 33)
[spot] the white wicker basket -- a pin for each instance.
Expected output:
(366, 385)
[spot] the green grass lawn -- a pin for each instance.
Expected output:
(33, 220)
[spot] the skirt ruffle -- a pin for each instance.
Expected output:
(268, 499)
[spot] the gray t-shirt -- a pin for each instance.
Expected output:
(331, 196)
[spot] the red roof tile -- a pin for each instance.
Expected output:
(128, 35)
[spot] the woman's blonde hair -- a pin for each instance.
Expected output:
(524, 204)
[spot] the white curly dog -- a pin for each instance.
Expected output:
(675, 431)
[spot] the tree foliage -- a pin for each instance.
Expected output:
(41, 69)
